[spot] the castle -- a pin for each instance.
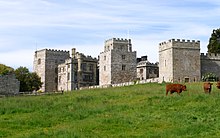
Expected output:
(117, 63)
(179, 61)
(60, 72)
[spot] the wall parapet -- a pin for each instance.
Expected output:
(179, 43)
(118, 40)
(215, 56)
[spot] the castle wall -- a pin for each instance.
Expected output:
(147, 70)
(105, 68)
(210, 63)
(47, 68)
(179, 61)
(165, 62)
(86, 71)
(39, 66)
(129, 62)
(9, 85)
(117, 63)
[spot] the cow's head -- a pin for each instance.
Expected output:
(184, 87)
(208, 85)
(218, 84)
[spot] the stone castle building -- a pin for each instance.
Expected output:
(59, 71)
(46, 63)
(181, 61)
(117, 63)
(146, 69)
(77, 71)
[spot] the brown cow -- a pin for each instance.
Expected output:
(207, 87)
(218, 84)
(175, 88)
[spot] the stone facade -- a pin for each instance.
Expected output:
(46, 63)
(210, 63)
(146, 70)
(59, 71)
(179, 61)
(9, 85)
(117, 64)
(77, 71)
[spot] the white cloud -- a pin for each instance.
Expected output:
(85, 24)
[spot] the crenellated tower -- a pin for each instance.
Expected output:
(117, 63)
(179, 61)
(46, 63)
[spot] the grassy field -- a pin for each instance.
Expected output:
(131, 111)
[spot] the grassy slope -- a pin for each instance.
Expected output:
(133, 111)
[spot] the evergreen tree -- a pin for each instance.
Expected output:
(214, 42)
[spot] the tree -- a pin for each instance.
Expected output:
(214, 42)
(28, 81)
(5, 69)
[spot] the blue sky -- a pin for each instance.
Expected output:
(85, 24)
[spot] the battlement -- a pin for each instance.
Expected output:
(81, 55)
(210, 56)
(178, 43)
(53, 50)
(118, 40)
(146, 63)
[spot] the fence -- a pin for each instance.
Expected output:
(123, 84)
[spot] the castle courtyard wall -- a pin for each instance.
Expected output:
(210, 63)
(9, 85)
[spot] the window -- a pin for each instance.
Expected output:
(186, 80)
(39, 61)
(123, 57)
(83, 66)
(104, 68)
(68, 76)
(90, 67)
(104, 57)
(59, 79)
(123, 67)
(141, 71)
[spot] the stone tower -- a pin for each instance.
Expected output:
(46, 63)
(117, 64)
(179, 61)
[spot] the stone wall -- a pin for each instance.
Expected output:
(179, 61)
(117, 64)
(210, 63)
(46, 63)
(9, 85)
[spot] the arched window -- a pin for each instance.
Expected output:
(39, 61)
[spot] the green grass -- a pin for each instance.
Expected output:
(131, 111)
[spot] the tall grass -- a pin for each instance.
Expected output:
(131, 111)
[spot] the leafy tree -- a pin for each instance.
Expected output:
(28, 81)
(214, 42)
(5, 69)
(35, 81)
